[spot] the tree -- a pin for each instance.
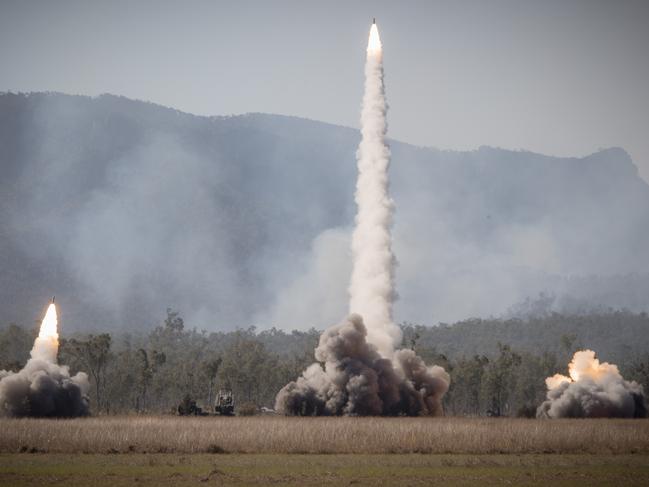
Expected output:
(174, 323)
(466, 380)
(148, 365)
(248, 368)
(211, 368)
(92, 356)
(639, 371)
(498, 380)
(528, 386)
(568, 346)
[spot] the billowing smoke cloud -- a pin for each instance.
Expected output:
(43, 388)
(359, 372)
(593, 390)
(357, 380)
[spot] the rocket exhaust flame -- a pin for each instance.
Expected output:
(49, 324)
(592, 390)
(358, 370)
(374, 46)
(44, 388)
(46, 346)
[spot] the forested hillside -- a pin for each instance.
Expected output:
(122, 208)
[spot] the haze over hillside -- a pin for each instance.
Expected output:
(122, 208)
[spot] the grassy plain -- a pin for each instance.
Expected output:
(116, 451)
(272, 434)
(160, 469)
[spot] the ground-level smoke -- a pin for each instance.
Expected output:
(592, 390)
(356, 380)
(43, 388)
(359, 372)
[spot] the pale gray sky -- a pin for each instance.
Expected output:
(562, 77)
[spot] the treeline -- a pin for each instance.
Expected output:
(497, 367)
(618, 336)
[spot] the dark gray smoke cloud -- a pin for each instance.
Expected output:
(43, 389)
(593, 390)
(352, 378)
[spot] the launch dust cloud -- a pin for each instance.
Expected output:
(43, 388)
(359, 372)
(592, 390)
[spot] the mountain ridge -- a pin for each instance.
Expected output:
(127, 207)
(262, 115)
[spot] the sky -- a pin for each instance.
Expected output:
(560, 77)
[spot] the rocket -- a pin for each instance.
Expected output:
(53, 299)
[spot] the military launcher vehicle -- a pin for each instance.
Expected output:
(188, 407)
(224, 403)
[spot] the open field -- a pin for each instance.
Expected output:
(115, 451)
(272, 434)
(281, 469)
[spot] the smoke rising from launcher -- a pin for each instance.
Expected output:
(593, 389)
(358, 370)
(371, 290)
(43, 388)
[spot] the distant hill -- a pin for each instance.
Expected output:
(617, 336)
(122, 208)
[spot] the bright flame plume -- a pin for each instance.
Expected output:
(46, 345)
(49, 326)
(374, 43)
(584, 365)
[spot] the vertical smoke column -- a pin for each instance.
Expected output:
(358, 372)
(372, 282)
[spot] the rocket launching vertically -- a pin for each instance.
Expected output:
(372, 282)
(43, 388)
(46, 345)
(358, 370)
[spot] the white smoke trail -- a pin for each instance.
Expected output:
(372, 282)
(358, 370)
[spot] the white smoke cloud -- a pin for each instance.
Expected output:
(592, 390)
(316, 287)
(476, 232)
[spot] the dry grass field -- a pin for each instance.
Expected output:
(179, 451)
(271, 434)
